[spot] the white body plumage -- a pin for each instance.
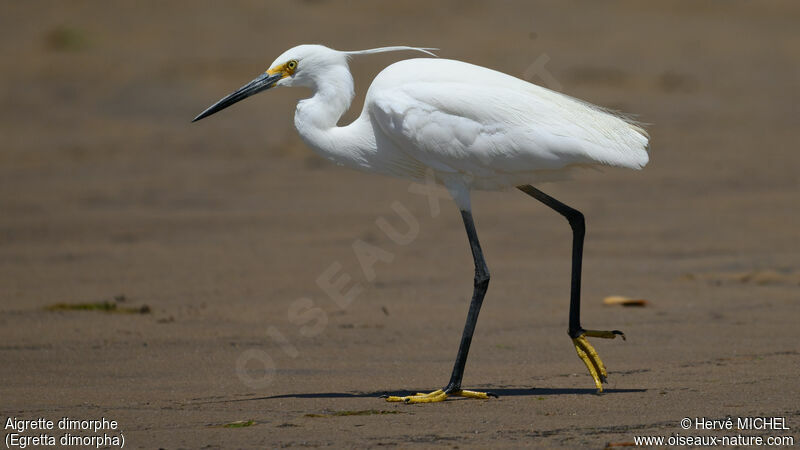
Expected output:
(473, 127)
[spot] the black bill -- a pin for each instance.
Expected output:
(261, 83)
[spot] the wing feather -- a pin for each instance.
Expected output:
(457, 117)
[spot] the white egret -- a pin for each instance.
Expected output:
(472, 128)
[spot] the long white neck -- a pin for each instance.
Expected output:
(316, 120)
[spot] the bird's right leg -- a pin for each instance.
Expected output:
(585, 350)
(453, 388)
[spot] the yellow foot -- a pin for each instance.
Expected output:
(589, 355)
(438, 396)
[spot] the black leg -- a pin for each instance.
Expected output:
(479, 291)
(578, 225)
(585, 350)
(453, 388)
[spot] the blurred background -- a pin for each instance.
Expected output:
(108, 191)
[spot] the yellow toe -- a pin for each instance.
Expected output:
(420, 397)
(589, 356)
(472, 394)
(604, 334)
(438, 396)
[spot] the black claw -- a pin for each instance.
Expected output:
(384, 396)
(620, 333)
(492, 394)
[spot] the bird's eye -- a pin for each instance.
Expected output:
(291, 65)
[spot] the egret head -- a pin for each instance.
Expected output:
(304, 65)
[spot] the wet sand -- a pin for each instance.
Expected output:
(110, 197)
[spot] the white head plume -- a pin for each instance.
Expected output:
(391, 49)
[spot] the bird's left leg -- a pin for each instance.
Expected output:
(453, 388)
(585, 350)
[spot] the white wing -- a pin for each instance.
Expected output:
(458, 117)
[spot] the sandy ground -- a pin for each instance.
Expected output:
(221, 228)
